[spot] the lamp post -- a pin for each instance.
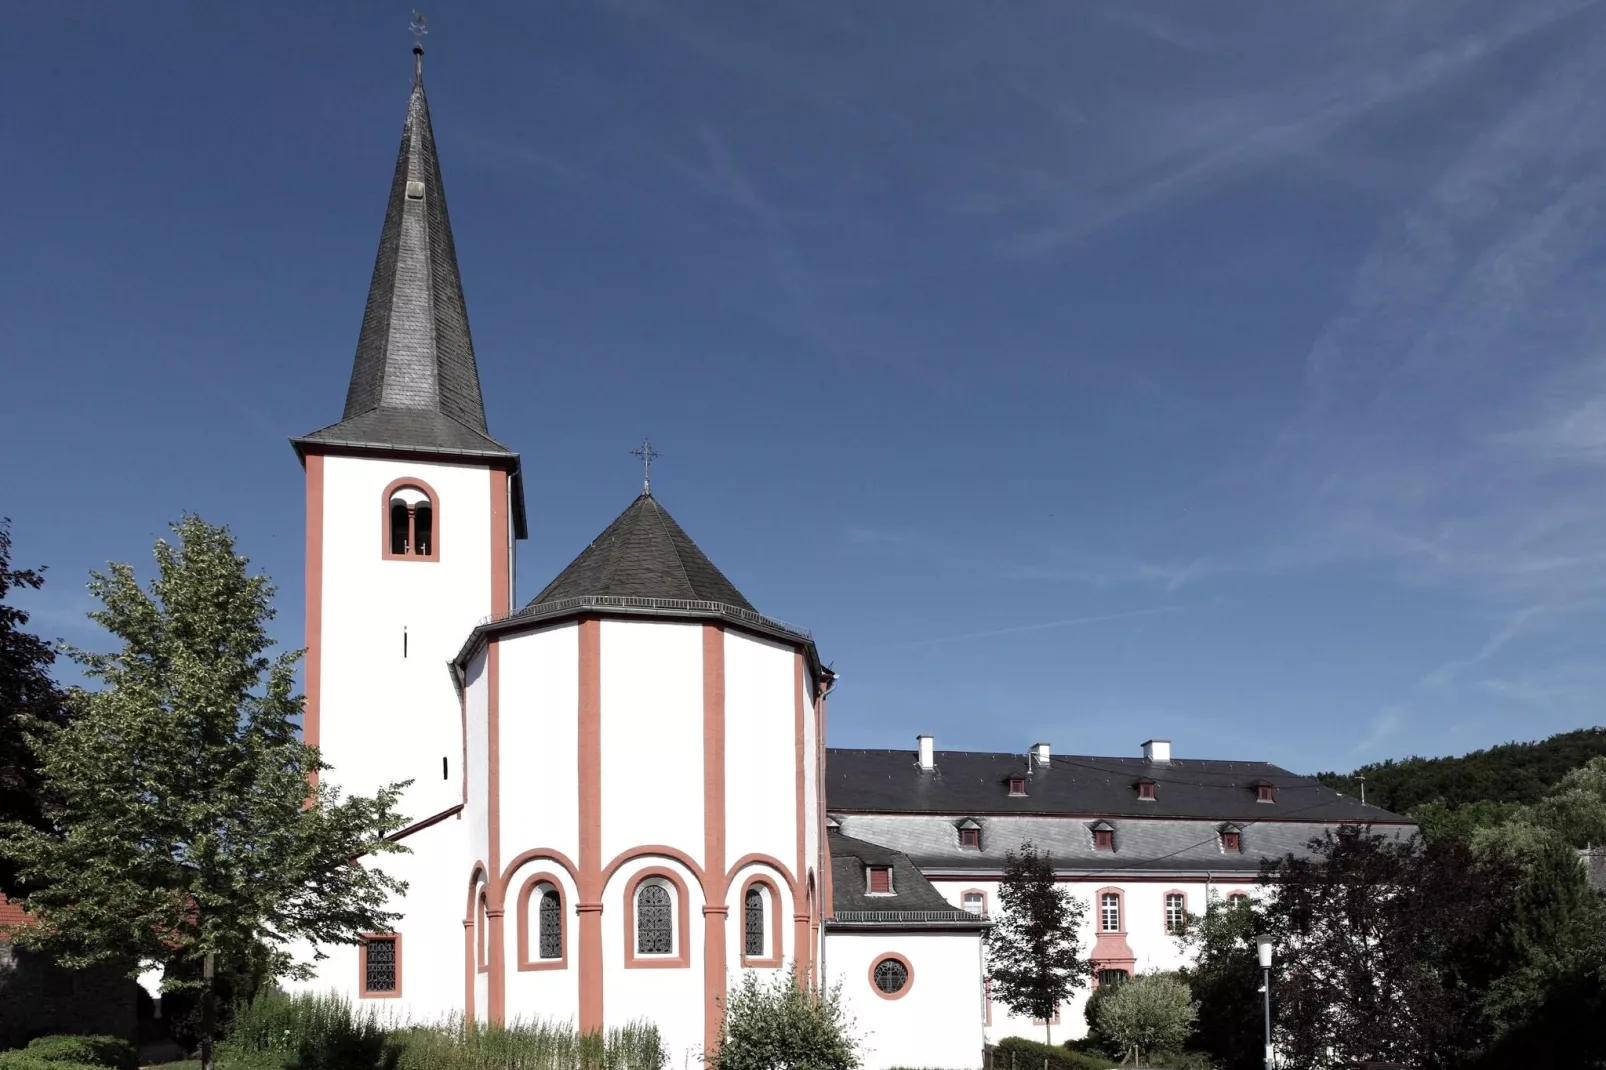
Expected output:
(1263, 944)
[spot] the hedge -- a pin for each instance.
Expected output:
(1030, 1055)
(71, 1052)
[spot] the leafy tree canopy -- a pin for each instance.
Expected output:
(29, 701)
(1149, 1013)
(1034, 952)
(1224, 979)
(180, 817)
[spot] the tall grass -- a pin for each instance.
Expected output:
(326, 1032)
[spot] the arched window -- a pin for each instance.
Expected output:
(411, 521)
(1237, 897)
(551, 919)
(483, 925)
(975, 902)
(655, 920)
(753, 922)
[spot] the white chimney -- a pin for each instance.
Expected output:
(928, 757)
(1040, 752)
(1157, 750)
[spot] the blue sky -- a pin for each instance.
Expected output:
(1233, 373)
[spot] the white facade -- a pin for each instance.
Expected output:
(936, 1020)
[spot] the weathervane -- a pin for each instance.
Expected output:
(647, 455)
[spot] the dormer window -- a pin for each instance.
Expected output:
(1232, 839)
(410, 521)
(970, 834)
(1104, 836)
(1017, 785)
(1146, 791)
(1265, 792)
(880, 879)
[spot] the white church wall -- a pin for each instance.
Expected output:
(476, 698)
(760, 749)
(538, 721)
(430, 927)
(387, 717)
(656, 989)
(652, 736)
(937, 1022)
(537, 987)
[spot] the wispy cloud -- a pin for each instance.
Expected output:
(1070, 622)
(1383, 727)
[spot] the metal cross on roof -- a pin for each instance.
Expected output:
(418, 27)
(647, 455)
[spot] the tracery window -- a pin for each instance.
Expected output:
(655, 926)
(551, 925)
(891, 975)
(753, 923)
(381, 966)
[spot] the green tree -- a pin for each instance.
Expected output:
(785, 1025)
(1034, 952)
(1554, 976)
(1384, 948)
(1225, 980)
(29, 702)
(1148, 1013)
(183, 824)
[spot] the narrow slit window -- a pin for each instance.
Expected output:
(550, 919)
(444, 774)
(753, 923)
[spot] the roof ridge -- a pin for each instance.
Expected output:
(680, 562)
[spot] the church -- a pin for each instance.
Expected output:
(621, 791)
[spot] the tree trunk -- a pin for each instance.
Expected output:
(207, 1023)
(1048, 1030)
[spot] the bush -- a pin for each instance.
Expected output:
(785, 1023)
(1149, 1013)
(1024, 1054)
(113, 1052)
(22, 1060)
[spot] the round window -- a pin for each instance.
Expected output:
(891, 976)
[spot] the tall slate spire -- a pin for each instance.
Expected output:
(414, 383)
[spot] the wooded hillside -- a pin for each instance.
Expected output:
(1509, 773)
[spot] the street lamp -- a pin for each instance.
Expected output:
(1263, 944)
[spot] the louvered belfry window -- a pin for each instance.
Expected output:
(655, 927)
(753, 923)
(551, 918)
(379, 968)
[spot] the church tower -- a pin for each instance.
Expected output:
(412, 510)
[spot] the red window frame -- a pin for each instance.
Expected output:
(879, 880)
(1017, 785)
(970, 838)
(1104, 839)
(1266, 793)
(1232, 841)
(1146, 790)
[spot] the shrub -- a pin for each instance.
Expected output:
(785, 1023)
(1151, 1012)
(114, 1052)
(1023, 1054)
(22, 1060)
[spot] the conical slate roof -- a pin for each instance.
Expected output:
(643, 554)
(414, 383)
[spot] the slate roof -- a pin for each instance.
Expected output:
(913, 900)
(1142, 845)
(414, 382)
(643, 554)
(972, 784)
